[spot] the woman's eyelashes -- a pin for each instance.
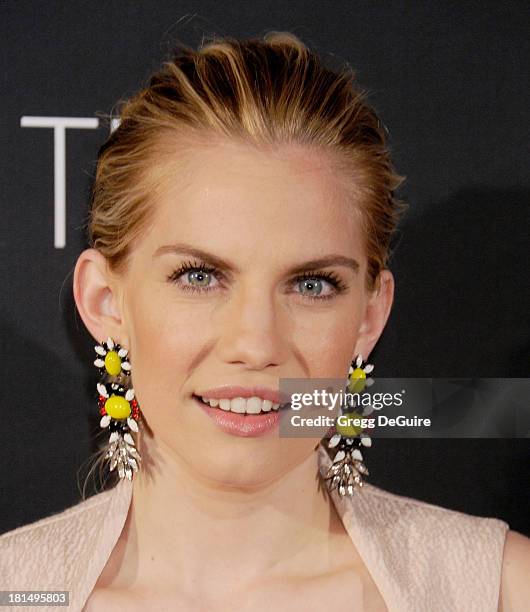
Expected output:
(315, 283)
(200, 277)
(197, 275)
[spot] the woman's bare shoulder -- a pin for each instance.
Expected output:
(515, 581)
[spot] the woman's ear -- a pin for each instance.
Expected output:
(377, 311)
(97, 297)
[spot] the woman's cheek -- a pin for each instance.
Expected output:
(154, 360)
(329, 353)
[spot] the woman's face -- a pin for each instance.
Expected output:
(192, 323)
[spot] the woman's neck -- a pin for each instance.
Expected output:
(182, 528)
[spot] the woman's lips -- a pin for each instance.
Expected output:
(246, 425)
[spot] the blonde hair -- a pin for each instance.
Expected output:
(263, 91)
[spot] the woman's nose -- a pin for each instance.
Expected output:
(253, 329)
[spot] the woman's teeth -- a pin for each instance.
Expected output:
(251, 405)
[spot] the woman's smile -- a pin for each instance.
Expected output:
(241, 405)
(231, 416)
(243, 411)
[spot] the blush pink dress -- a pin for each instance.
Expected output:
(422, 557)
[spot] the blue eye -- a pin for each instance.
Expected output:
(314, 283)
(314, 286)
(199, 276)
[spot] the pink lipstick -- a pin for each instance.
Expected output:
(242, 424)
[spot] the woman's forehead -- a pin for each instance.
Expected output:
(233, 182)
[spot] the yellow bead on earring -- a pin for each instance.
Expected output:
(114, 360)
(357, 376)
(113, 363)
(350, 430)
(118, 407)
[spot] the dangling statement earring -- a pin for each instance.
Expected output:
(347, 468)
(118, 407)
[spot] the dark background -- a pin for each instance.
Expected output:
(449, 80)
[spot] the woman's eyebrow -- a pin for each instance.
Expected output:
(222, 264)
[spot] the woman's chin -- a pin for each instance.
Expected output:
(213, 455)
(237, 471)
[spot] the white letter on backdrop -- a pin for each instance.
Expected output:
(59, 125)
